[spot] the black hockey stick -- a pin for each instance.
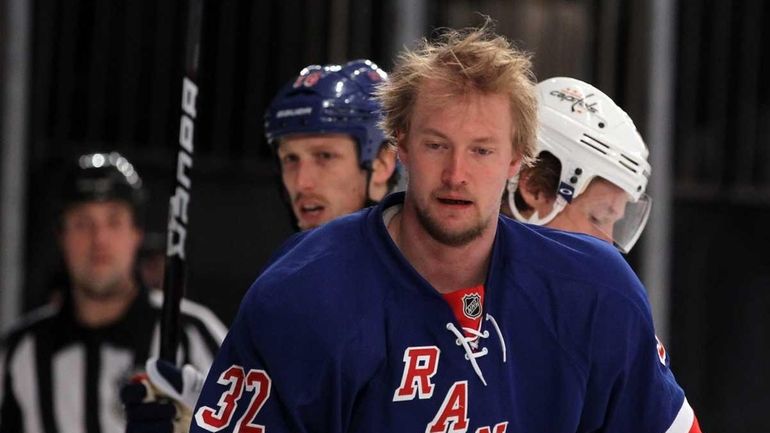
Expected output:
(176, 262)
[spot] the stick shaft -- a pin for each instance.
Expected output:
(176, 262)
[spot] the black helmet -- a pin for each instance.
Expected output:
(101, 177)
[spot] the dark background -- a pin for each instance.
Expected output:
(105, 75)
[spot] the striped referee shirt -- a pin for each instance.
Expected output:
(59, 377)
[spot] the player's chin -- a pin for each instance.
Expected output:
(306, 225)
(458, 236)
(311, 220)
(102, 287)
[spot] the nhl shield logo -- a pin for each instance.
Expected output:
(472, 305)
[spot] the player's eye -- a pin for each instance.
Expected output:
(483, 151)
(435, 146)
(80, 224)
(605, 222)
(325, 156)
(289, 159)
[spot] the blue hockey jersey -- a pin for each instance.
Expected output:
(341, 334)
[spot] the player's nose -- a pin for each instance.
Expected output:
(306, 176)
(455, 171)
(100, 234)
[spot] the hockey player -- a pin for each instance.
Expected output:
(62, 365)
(429, 312)
(333, 157)
(592, 169)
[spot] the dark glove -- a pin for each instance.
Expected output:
(144, 413)
(161, 400)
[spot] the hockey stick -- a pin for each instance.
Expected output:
(176, 263)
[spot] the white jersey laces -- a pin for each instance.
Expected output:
(471, 343)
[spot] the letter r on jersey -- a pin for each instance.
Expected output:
(420, 364)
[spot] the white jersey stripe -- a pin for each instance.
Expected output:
(22, 367)
(155, 343)
(69, 373)
(684, 419)
(2, 378)
(199, 355)
(213, 325)
(116, 367)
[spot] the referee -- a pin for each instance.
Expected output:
(62, 366)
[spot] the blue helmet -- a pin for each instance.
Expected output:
(331, 99)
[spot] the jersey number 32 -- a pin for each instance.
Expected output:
(236, 379)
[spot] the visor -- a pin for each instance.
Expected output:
(627, 230)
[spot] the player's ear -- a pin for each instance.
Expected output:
(533, 196)
(401, 146)
(384, 165)
(382, 168)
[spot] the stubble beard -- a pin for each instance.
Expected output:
(107, 287)
(452, 239)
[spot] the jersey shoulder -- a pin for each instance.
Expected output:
(33, 321)
(331, 257)
(36, 322)
(329, 275)
(566, 259)
(581, 288)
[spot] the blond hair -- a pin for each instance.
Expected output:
(474, 59)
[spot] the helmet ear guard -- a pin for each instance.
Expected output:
(535, 217)
(331, 99)
(591, 137)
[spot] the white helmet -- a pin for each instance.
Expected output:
(591, 136)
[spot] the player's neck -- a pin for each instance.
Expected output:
(446, 268)
(94, 311)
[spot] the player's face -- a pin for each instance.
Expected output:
(458, 153)
(595, 211)
(99, 241)
(322, 176)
